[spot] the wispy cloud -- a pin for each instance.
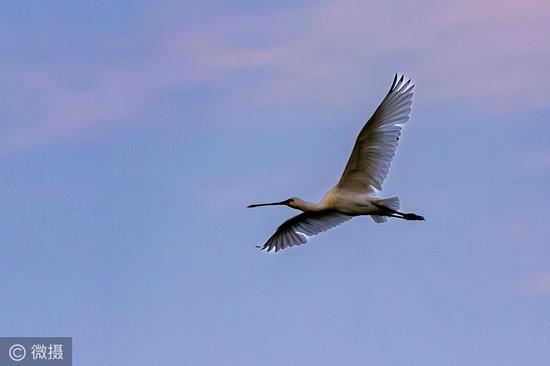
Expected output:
(484, 54)
(538, 160)
(540, 284)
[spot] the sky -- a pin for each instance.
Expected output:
(134, 134)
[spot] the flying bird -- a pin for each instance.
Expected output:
(355, 193)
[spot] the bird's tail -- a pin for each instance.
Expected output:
(391, 203)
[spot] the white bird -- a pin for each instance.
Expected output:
(355, 193)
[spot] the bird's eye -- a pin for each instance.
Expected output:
(290, 200)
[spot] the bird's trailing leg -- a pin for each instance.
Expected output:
(388, 211)
(406, 216)
(412, 216)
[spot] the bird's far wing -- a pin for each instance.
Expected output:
(375, 146)
(294, 230)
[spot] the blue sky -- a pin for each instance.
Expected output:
(133, 135)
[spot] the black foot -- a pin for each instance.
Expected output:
(411, 216)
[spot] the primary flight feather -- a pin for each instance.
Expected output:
(355, 192)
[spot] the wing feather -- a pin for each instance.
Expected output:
(294, 230)
(375, 146)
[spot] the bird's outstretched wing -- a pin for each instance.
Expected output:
(375, 146)
(294, 230)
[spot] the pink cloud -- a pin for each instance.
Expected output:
(537, 160)
(483, 54)
(540, 284)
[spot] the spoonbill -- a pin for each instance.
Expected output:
(355, 193)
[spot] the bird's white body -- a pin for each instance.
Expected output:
(349, 203)
(355, 193)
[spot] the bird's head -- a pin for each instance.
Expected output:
(293, 202)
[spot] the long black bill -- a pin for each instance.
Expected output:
(268, 204)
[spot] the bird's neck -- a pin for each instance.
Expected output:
(309, 206)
